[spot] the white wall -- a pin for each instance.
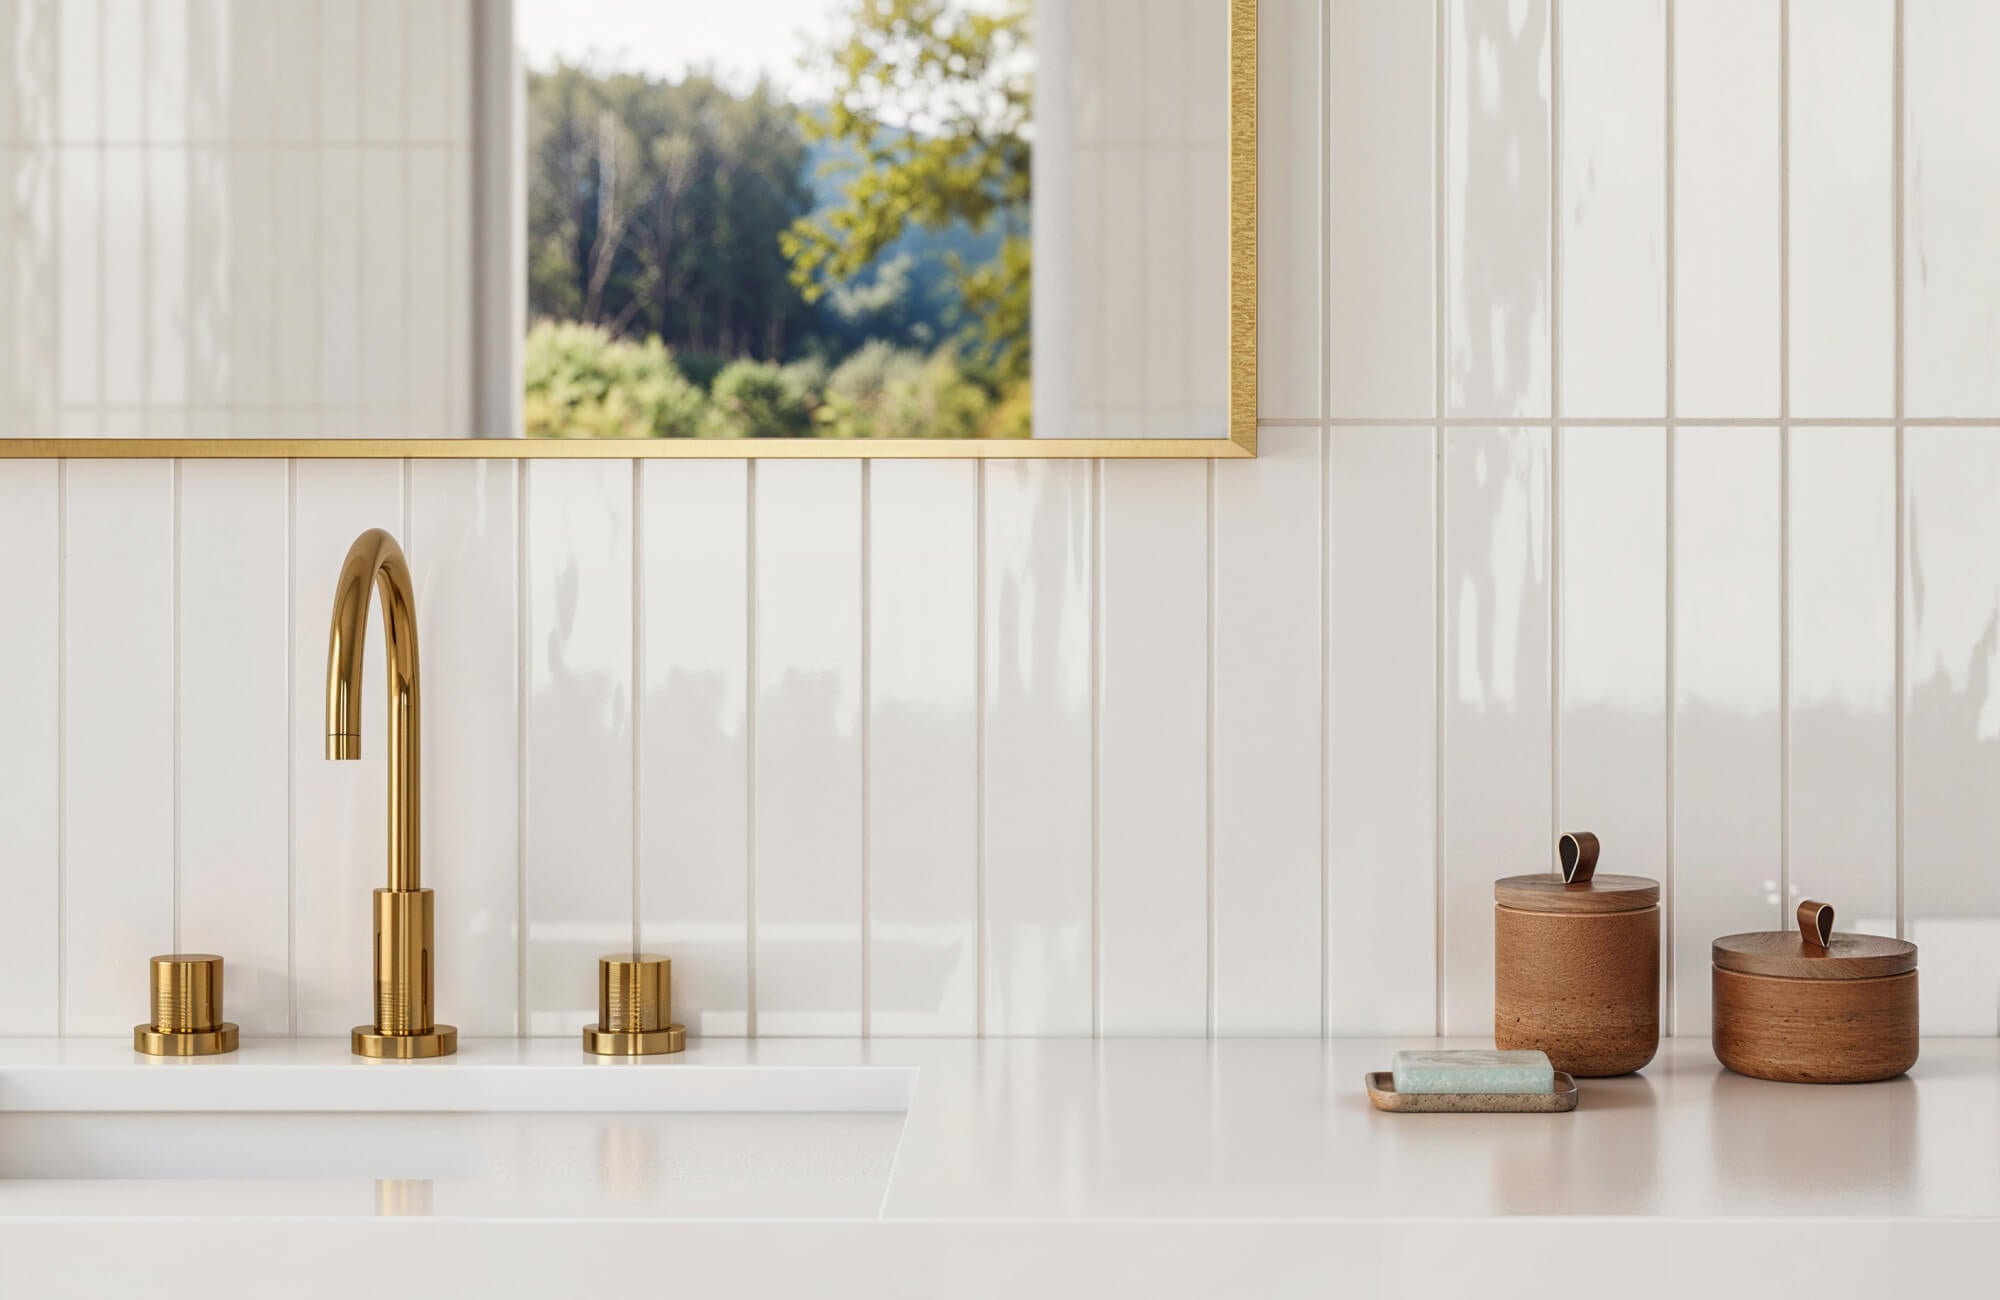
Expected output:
(1627, 465)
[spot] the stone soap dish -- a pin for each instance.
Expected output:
(1383, 1095)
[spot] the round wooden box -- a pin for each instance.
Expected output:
(1576, 964)
(1815, 1006)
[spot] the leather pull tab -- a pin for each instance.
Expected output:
(1816, 923)
(1578, 852)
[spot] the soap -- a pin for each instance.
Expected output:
(1474, 1071)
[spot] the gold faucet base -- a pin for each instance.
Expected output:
(643, 1042)
(368, 1041)
(187, 1042)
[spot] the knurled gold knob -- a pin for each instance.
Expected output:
(634, 1003)
(187, 1008)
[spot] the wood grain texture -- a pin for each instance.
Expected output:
(1583, 987)
(1546, 892)
(1815, 1031)
(1782, 954)
(1382, 1095)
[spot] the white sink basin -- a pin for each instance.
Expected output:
(503, 1130)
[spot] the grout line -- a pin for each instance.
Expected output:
(62, 744)
(867, 744)
(174, 654)
(1672, 381)
(1555, 430)
(145, 287)
(750, 749)
(524, 609)
(1208, 721)
(103, 224)
(1326, 994)
(1784, 458)
(291, 751)
(979, 755)
(1896, 219)
(638, 692)
(1096, 749)
(1672, 712)
(1439, 127)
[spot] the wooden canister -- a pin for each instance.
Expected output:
(1813, 1006)
(1576, 964)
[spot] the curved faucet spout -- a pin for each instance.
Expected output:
(375, 560)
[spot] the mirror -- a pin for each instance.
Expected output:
(590, 227)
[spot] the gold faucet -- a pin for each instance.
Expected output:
(403, 1027)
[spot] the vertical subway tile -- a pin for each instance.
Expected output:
(339, 809)
(1951, 188)
(923, 747)
(339, 66)
(206, 82)
(208, 330)
(123, 341)
(1037, 685)
(1266, 739)
(166, 55)
(294, 291)
(454, 60)
(1207, 331)
(1289, 42)
(253, 93)
(252, 256)
(79, 278)
(694, 741)
(1611, 213)
(1842, 126)
(296, 52)
(1612, 582)
(383, 49)
(463, 551)
(426, 278)
(30, 291)
(430, 47)
(1167, 362)
(118, 738)
(234, 760)
(578, 855)
(1842, 638)
(385, 281)
(79, 68)
(458, 298)
(1951, 728)
(1381, 731)
(1726, 706)
(1497, 702)
(1152, 766)
(1382, 142)
(807, 851)
(1497, 209)
(1726, 197)
(126, 61)
(165, 298)
(30, 673)
(338, 265)
(1126, 328)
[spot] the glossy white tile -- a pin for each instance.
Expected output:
(386, 370)
(251, 251)
(578, 868)
(1381, 256)
(1496, 208)
(1036, 854)
(30, 763)
(233, 748)
(118, 738)
(340, 62)
(1152, 748)
(125, 59)
(1381, 731)
(1727, 657)
(1289, 43)
(806, 851)
(1611, 580)
(1951, 728)
(166, 277)
(694, 736)
(1726, 201)
(296, 68)
(1497, 758)
(464, 547)
(1841, 122)
(79, 280)
(1611, 209)
(252, 91)
(426, 290)
(1951, 187)
(385, 53)
(339, 809)
(77, 55)
(295, 285)
(1841, 517)
(923, 747)
(428, 43)
(1265, 922)
(338, 263)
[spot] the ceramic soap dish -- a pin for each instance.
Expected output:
(1383, 1095)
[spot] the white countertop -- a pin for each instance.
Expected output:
(1181, 1136)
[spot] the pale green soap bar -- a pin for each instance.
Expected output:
(1473, 1070)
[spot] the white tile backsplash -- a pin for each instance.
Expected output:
(1018, 748)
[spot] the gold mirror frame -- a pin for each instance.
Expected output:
(1241, 444)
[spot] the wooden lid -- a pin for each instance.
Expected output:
(1814, 951)
(1577, 887)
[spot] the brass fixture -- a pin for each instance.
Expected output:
(634, 999)
(187, 1008)
(404, 965)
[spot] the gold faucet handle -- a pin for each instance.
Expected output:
(634, 1006)
(187, 1008)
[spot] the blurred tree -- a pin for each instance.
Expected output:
(933, 105)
